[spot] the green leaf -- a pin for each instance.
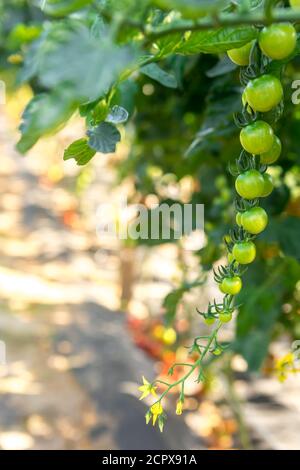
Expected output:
(92, 66)
(172, 300)
(125, 95)
(225, 65)
(168, 44)
(216, 40)
(104, 137)
(117, 115)
(223, 101)
(64, 7)
(22, 34)
(80, 151)
(156, 73)
(43, 115)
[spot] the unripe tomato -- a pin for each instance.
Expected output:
(268, 188)
(250, 184)
(273, 154)
(255, 220)
(244, 252)
(240, 56)
(209, 320)
(257, 138)
(238, 219)
(231, 285)
(217, 351)
(264, 93)
(225, 317)
(278, 41)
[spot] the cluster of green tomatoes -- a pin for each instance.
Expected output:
(261, 95)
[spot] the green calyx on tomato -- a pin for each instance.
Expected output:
(238, 219)
(231, 285)
(225, 317)
(244, 252)
(273, 154)
(250, 184)
(230, 258)
(241, 55)
(269, 186)
(264, 93)
(278, 41)
(255, 220)
(257, 138)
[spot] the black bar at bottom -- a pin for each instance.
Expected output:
(135, 458)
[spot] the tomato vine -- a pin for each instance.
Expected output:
(263, 93)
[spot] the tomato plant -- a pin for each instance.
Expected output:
(231, 285)
(268, 185)
(273, 154)
(163, 69)
(264, 93)
(241, 55)
(250, 184)
(244, 252)
(257, 137)
(278, 41)
(254, 220)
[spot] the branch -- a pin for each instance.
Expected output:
(223, 19)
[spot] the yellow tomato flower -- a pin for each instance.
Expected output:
(156, 411)
(15, 59)
(147, 389)
(179, 407)
(285, 366)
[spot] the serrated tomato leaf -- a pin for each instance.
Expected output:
(216, 40)
(43, 115)
(159, 75)
(80, 151)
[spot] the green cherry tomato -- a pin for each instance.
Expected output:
(209, 320)
(240, 56)
(217, 351)
(257, 138)
(244, 252)
(225, 317)
(269, 186)
(278, 41)
(238, 219)
(273, 154)
(250, 184)
(231, 285)
(255, 220)
(264, 93)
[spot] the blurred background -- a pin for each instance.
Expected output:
(83, 317)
